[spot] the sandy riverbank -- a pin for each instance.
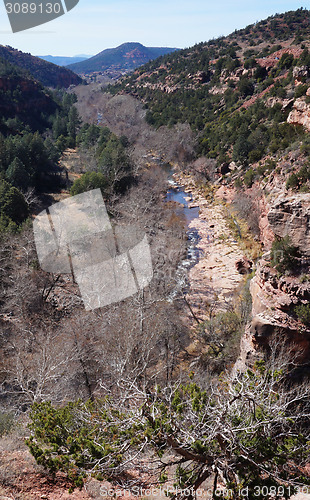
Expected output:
(215, 277)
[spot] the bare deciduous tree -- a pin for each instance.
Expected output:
(248, 429)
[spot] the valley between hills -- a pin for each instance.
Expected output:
(199, 382)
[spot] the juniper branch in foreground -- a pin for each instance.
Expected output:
(249, 429)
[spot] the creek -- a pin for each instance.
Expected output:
(183, 208)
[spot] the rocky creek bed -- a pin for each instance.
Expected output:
(213, 252)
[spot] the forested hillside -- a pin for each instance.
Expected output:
(36, 125)
(45, 72)
(23, 101)
(236, 92)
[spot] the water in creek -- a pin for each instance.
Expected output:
(183, 201)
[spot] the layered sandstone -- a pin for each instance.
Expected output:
(290, 216)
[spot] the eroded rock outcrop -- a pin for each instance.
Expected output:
(274, 297)
(300, 72)
(290, 216)
(273, 314)
(300, 114)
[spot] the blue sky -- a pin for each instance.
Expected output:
(94, 25)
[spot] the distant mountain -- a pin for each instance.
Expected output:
(124, 58)
(63, 60)
(45, 72)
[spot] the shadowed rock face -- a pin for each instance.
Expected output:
(291, 217)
